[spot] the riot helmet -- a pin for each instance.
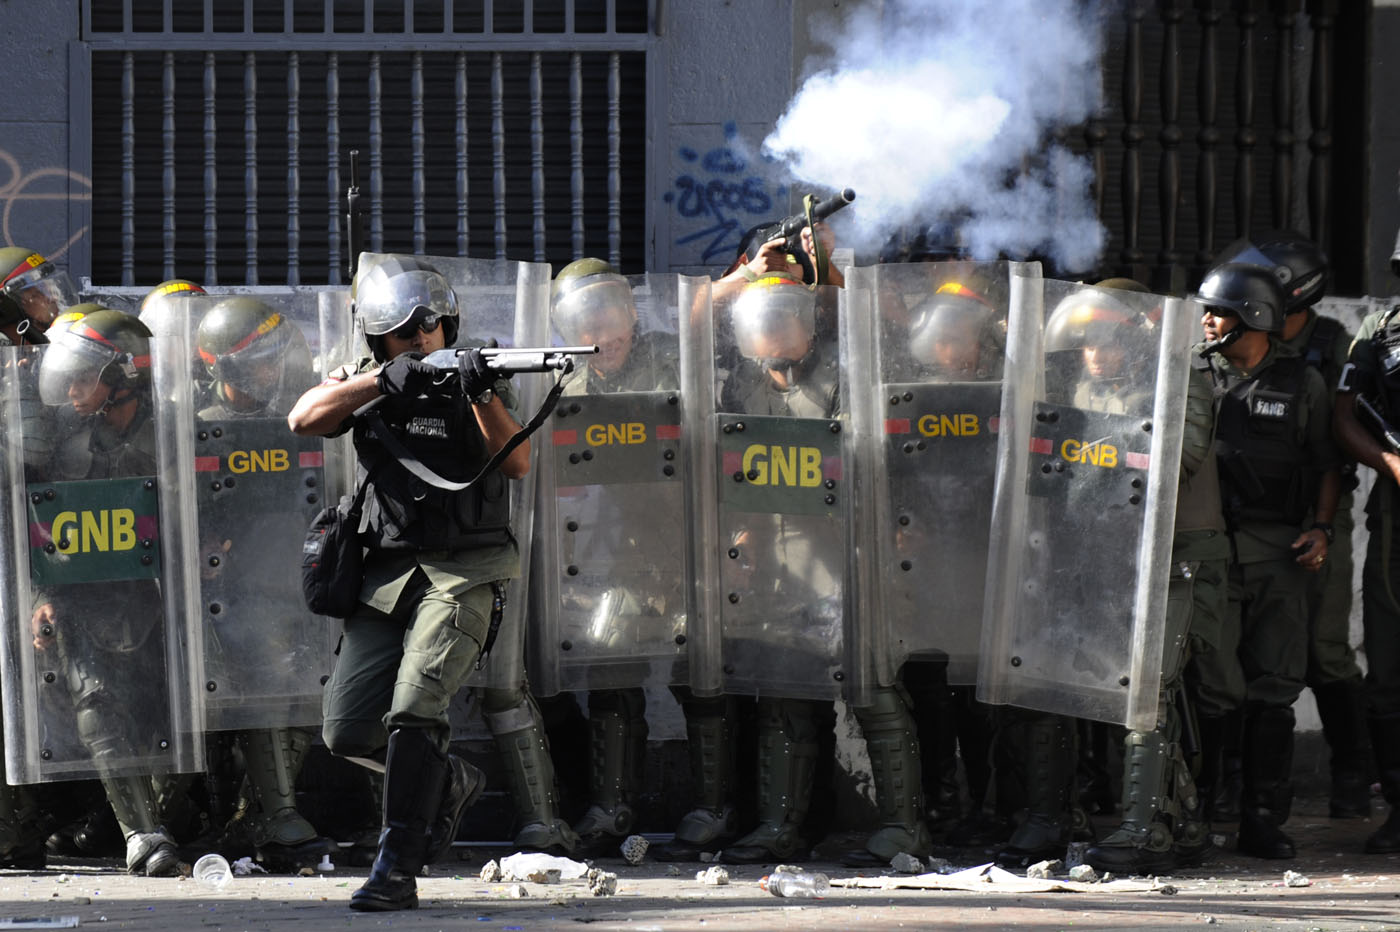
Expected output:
(1095, 338)
(391, 291)
(956, 331)
(254, 350)
(33, 291)
(1298, 262)
(1249, 292)
(775, 321)
(164, 307)
(592, 304)
(104, 347)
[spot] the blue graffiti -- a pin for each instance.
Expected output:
(722, 198)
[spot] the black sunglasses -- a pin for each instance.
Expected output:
(427, 324)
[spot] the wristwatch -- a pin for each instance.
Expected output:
(1326, 529)
(486, 394)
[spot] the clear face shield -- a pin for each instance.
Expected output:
(385, 302)
(600, 311)
(71, 372)
(775, 327)
(42, 293)
(270, 367)
(951, 335)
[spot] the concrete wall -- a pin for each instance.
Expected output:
(36, 184)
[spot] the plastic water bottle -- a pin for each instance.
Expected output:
(796, 884)
(213, 871)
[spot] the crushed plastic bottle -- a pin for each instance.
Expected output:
(796, 883)
(212, 871)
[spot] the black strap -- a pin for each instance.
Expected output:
(419, 469)
(498, 611)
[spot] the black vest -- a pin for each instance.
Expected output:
(1386, 341)
(1264, 470)
(402, 512)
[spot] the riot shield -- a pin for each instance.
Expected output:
(508, 302)
(1091, 425)
(255, 487)
(98, 667)
(771, 497)
(930, 338)
(610, 544)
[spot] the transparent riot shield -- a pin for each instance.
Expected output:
(98, 662)
(772, 492)
(255, 486)
(508, 302)
(1091, 424)
(930, 338)
(611, 542)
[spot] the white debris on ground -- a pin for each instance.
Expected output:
(713, 876)
(520, 866)
(1083, 873)
(1295, 879)
(1044, 870)
(245, 866)
(517, 891)
(986, 877)
(634, 849)
(601, 883)
(490, 872)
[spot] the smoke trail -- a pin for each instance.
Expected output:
(934, 109)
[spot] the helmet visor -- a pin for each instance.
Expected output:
(775, 323)
(385, 304)
(598, 313)
(42, 296)
(70, 360)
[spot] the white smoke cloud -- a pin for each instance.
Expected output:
(934, 109)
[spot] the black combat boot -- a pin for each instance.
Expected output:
(415, 774)
(1267, 769)
(1047, 748)
(712, 824)
(1385, 742)
(1342, 708)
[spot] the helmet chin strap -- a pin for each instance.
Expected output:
(795, 369)
(116, 397)
(1216, 346)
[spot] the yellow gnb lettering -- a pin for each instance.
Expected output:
(949, 425)
(1095, 454)
(799, 466)
(241, 461)
(89, 531)
(600, 435)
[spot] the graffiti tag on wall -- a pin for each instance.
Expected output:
(716, 199)
(40, 189)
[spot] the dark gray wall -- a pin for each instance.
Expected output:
(35, 181)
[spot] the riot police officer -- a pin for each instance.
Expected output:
(436, 564)
(1333, 674)
(1367, 402)
(100, 366)
(593, 305)
(787, 369)
(1093, 339)
(1163, 825)
(258, 362)
(33, 291)
(1280, 481)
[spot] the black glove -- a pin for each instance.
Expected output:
(476, 377)
(406, 374)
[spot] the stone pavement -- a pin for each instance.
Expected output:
(1347, 890)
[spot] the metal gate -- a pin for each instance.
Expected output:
(484, 129)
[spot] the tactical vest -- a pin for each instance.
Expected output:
(1264, 469)
(1321, 344)
(402, 512)
(1386, 341)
